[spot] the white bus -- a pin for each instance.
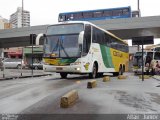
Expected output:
(149, 57)
(83, 48)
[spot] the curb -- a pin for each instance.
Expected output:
(15, 77)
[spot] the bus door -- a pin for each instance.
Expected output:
(86, 46)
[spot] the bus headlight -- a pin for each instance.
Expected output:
(78, 69)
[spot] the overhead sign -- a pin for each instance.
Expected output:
(143, 40)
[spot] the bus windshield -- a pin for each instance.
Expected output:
(62, 41)
(137, 61)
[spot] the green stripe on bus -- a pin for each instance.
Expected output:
(106, 55)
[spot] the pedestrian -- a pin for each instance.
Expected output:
(157, 68)
(147, 68)
(152, 68)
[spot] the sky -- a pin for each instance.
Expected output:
(44, 12)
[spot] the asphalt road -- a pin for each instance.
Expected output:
(42, 95)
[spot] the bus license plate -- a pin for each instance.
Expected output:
(59, 68)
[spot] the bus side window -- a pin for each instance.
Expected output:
(157, 56)
(117, 12)
(107, 13)
(86, 40)
(126, 11)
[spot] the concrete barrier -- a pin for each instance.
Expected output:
(92, 84)
(69, 99)
(145, 76)
(106, 78)
(122, 77)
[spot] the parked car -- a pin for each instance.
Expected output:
(13, 63)
(36, 66)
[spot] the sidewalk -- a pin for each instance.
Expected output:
(18, 73)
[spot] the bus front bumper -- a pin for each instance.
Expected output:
(68, 69)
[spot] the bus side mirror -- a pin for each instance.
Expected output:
(39, 37)
(81, 36)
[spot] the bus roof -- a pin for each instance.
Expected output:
(97, 10)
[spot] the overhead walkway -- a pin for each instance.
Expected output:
(124, 28)
(132, 27)
(19, 36)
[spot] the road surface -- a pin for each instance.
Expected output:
(42, 95)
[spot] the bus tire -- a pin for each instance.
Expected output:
(94, 72)
(63, 75)
(120, 70)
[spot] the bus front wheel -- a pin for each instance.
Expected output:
(63, 75)
(94, 72)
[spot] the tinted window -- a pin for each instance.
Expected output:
(12, 60)
(157, 56)
(117, 12)
(87, 14)
(105, 39)
(125, 11)
(65, 29)
(107, 13)
(62, 17)
(77, 16)
(98, 14)
(157, 49)
(87, 39)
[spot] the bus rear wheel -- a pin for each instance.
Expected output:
(94, 72)
(121, 71)
(63, 75)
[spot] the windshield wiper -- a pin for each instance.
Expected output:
(56, 47)
(63, 49)
(59, 45)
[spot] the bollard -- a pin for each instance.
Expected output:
(69, 99)
(106, 78)
(145, 76)
(92, 84)
(122, 77)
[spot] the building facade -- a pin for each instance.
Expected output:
(4, 24)
(16, 18)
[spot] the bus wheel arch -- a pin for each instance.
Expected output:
(63, 75)
(121, 70)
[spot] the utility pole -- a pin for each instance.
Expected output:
(22, 47)
(138, 7)
(22, 13)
